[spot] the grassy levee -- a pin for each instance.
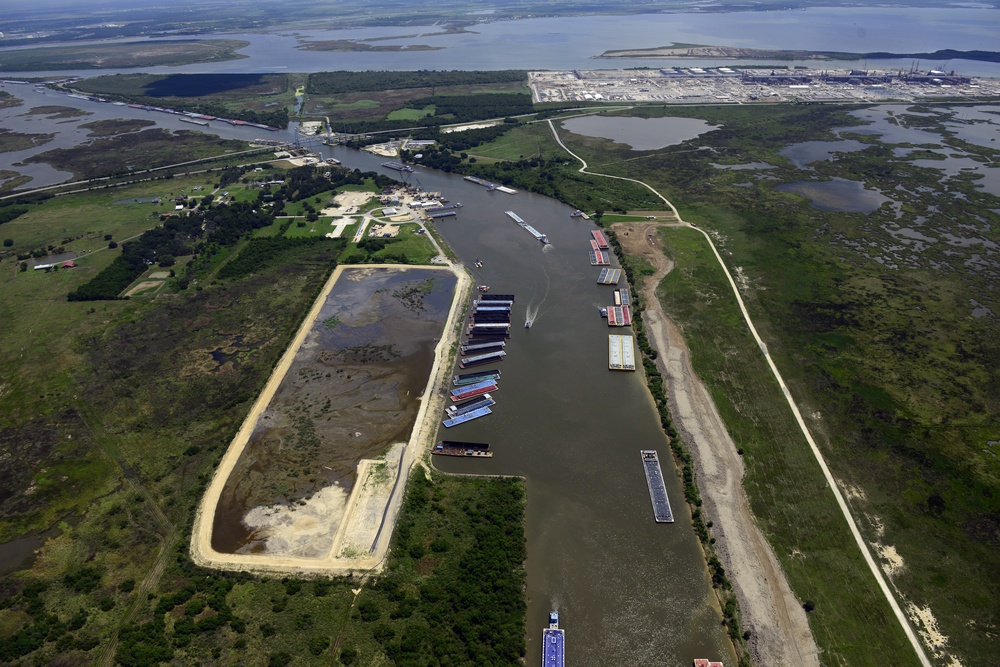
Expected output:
(794, 508)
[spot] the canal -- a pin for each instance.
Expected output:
(629, 591)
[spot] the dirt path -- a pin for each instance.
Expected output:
(779, 629)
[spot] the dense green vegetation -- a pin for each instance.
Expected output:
(331, 83)
(254, 98)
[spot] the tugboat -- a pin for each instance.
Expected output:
(479, 263)
(553, 643)
(527, 324)
(483, 288)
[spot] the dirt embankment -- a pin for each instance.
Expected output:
(380, 482)
(779, 629)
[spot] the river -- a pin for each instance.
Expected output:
(630, 591)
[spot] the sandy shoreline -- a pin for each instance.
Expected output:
(779, 629)
(357, 516)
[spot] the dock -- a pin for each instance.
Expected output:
(621, 353)
(657, 490)
(458, 448)
(467, 417)
(609, 276)
(599, 258)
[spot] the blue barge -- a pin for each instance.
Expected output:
(467, 417)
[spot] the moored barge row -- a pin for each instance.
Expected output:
(599, 239)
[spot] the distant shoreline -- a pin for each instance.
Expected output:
(701, 51)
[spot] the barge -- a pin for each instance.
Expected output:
(599, 258)
(528, 228)
(553, 643)
(480, 359)
(619, 316)
(483, 401)
(657, 491)
(194, 121)
(485, 345)
(457, 448)
(474, 390)
(609, 276)
(621, 353)
(497, 297)
(397, 166)
(599, 240)
(467, 417)
(476, 377)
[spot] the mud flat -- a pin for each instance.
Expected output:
(314, 478)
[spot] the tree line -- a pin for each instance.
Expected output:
(333, 83)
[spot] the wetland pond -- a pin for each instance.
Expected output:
(838, 194)
(351, 392)
(641, 134)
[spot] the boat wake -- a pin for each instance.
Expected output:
(534, 310)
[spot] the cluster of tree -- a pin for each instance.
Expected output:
(465, 108)
(466, 139)
(44, 627)
(177, 236)
(260, 254)
(8, 213)
(335, 83)
(477, 581)
(304, 182)
(450, 109)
